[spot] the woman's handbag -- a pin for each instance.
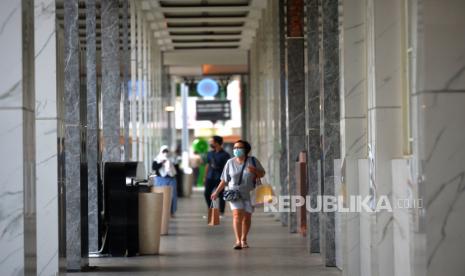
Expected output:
(235, 194)
(231, 195)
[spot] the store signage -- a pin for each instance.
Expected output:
(213, 110)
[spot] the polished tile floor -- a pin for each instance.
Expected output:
(193, 248)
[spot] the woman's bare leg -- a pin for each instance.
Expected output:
(238, 215)
(246, 223)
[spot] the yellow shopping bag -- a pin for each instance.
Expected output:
(263, 193)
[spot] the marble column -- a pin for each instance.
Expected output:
(111, 82)
(384, 97)
(17, 151)
(353, 123)
(437, 102)
(133, 87)
(172, 88)
(165, 102)
(283, 175)
(313, 120)
(150, 86)
(139, 104)
(145, 93)
(125, 65)
(295, 81)
(47, 190)
(76, 229)
(330, 117)
(92, 145)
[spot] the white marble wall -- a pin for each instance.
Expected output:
(384, 117)
(439, 99)
(46, 137)
(17, 133)
(353, 121)
(402, 189)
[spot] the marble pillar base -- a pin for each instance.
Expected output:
(402, 190)
(284, 190)
(351, 228)
(314, 185)
(367, 225)
(339, 217)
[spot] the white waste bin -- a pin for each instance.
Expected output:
(165, 220)
(150, 222)
(187, 184)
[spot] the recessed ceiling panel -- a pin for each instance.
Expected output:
(204, 24)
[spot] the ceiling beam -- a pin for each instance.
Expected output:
(206, 19)
(196, 44)
(197, 9)
(207, 56)
(208, 29)
(203, 36)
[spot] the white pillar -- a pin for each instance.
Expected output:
(133, 81)
(149, 104)
(145, 94)
(353, 123)
(385, 68)
(46, 137)
(140, 68)
(17, 132)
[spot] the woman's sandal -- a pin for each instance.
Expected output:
(237, 246)
(244, 244)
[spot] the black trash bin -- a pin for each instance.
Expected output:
(120, 185)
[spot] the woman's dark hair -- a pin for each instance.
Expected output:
(218, 139)
(247, 146)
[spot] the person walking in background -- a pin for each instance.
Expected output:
(177, 161)
(240, 173)
(164, 168)
(195, 162)
(216, 160)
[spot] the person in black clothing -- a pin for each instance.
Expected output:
(216, 160)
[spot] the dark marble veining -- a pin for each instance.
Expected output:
(295, 80)
(313, 120)
(92, 123)
(74, 238)
(126, 60)
(283, 176)
(330, 116)
(111, 82)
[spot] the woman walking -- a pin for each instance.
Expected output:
(240, 173)
(166, 174)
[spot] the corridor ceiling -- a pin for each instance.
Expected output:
(192, 32)
(203, 24)
(198, 32)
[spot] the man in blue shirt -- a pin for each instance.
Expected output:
(216, 160)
